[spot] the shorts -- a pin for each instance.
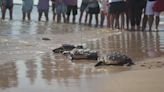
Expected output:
(83, 7)
(72, 8)
(95, 10)
(26, 10)
(149, 8)
(109, 8)
(42, 11)
(117, 7)
(7, 6)
(61, 8)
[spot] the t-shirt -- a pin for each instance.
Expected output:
(27, 5)
(104, 5)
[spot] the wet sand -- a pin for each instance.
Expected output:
(27, 63)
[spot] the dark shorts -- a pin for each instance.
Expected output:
(117, 7)
(95, 10)
(42, 11)
(53, 7)
(83, 7)
(72, 8)
(7, 6)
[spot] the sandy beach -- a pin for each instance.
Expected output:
(135, 81)
(27, 63)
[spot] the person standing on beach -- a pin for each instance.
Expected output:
(93, 8)
(117, 8)
(27, 8)
(83, 8)
(136, 11)
(150, 13)
(43, 7)
(53, 9)
(103, 11)
(7, 4)
(61, 10)
(71, 6)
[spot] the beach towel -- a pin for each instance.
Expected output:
(159, 6)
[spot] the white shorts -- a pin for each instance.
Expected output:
(149, 8)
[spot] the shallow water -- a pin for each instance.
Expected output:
(27, 63)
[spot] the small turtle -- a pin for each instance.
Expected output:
(46, 39)
(115, 58)
(79, 53)
(66, 47)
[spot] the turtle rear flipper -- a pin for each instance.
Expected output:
(58, 50)
(130, 62)
(99, 63)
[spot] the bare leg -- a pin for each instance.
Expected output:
(54, 15)
(112, 20)
(151, 19)
(86, 17)
(157, 22)
(81, 14)
(97, 20)
(58, 18)
(117, 21)
(127, 19)
(102, 19)
(68, 18)
(64, 18)
(46, 15)
(90, 19)
(108, 20)
(11, 13)
(74, 19)
(3, 12)
(40, 15)
(29, 16)
(144, 22)
(24, 15)
(122, 21)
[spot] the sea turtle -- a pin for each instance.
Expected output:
(66, 47)
(80, 53)
(115, 58)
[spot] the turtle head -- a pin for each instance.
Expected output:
(100, 61)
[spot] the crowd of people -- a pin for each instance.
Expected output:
(117, 13)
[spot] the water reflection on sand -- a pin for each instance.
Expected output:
(137, 45)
